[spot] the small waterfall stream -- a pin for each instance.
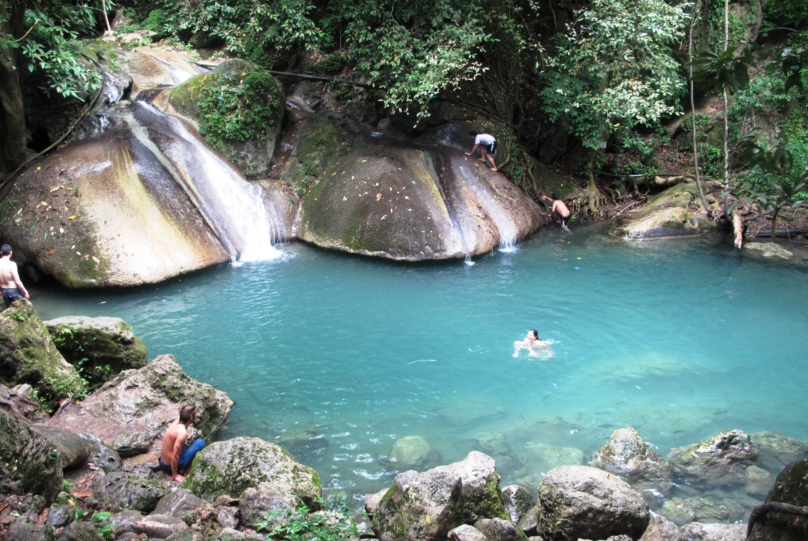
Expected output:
(239, 212)
(437, 164)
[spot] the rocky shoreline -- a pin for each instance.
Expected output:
(83, 471)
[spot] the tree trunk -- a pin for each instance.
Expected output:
(12, 113)
(774, 223)
(693, 110)
(106, 17)
(726, 109)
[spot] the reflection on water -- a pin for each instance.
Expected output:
(337, 357)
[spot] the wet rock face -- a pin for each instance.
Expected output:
(391, 199)
(719, 461)
(629, 456)
(29, 463)
(146, 400)
(583, 502)
(789, 488)
(671, 214)
(253, 153)
(497, 529)
(102, 346)
(233, 466)
(28, 355)
(425, 506)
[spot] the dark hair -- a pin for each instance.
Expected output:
(5, 249)
(187, 413)
(535, 332)
(554, 196)
(472, 134)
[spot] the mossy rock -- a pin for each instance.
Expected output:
(98, 347)
(239, 108)
(28, 355)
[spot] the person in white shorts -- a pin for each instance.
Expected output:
(487, 144)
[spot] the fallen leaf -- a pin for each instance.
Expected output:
(363, 161)
(81, 494)
(344, 198)
(49, 252)
(72, 217)
(54, 188)
(378, 196)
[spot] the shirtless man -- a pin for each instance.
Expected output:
(532, 343)
(487, 144)
(561, 211)
(10, 282)
(173, 458)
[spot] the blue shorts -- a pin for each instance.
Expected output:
(186, 456)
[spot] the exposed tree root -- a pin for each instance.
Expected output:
(759, 513)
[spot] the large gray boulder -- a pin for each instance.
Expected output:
(73, 449)
(584, 502)
(28, 355)
(233, 466)
(778, 450)
(120, 490)
(18, 401)
(101, 347)
(661, 529)
(497, 529)
(426, 506)
(146, 400)
(464, 532)
(178, 503)
(789, 488)
(400, 201)
(719, 461)
(695, 531)
(412, 452)
(629, 456)
(29, 463)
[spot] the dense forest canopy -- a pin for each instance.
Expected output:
(604, 74)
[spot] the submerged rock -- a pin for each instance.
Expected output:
(661, 529)
(767, 250)
(234, 466)
(719, 461)
(696, 531)
(543, 458)
(146, 400)
(629, 456)
(28, 355)
(393, 199)
(789, 488)
(584, 502)
(778, 450)
(102, 347)
(518, 500)
(412, 452)
(29, 463)
(675, 212)
(426, 506)
(758, 481)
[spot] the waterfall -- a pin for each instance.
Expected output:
(438, 170)
(239, 212)
(508, 233)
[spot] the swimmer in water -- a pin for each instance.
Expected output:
(532, 343)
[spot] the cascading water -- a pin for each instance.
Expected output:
(438, 170)
(238, 211)
(508, 233)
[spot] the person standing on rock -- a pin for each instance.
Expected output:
(561, 210)
(10, 282)
(175, 458)
(487, 144)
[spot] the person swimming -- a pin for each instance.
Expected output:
(532, 343)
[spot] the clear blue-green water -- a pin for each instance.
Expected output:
(679, 339)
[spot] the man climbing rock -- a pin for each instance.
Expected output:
(10, 282)
(487, 144)
(175, 458)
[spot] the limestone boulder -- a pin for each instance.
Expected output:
(147, 401)
(518, 500)
(73, 449)
(703, 510)
(251, 154)
(675, 212)
(589, 503)
(256, 502)
(372, 501)
(18, 401)
(529, 523)
(789, 488)
(152, 67)
(778, 450)
(178, 503)
(100, 347)
(719, 461)
(159, 526)
(696, 531)
(102, 456)
(680, 511)
(629, 456)
(465, 532)
(233, 466)
(29, 463)
(661, 529)
(28, 355)
(426, 506)
(497, 529)
(131, 444)
(412, 452)
(120, 490)
(401, 201)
